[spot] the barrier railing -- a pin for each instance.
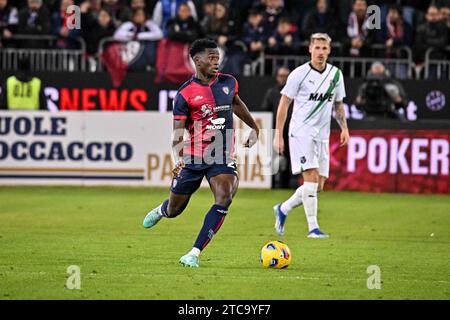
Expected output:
(44, 59)
(352, 67)
(437, 68)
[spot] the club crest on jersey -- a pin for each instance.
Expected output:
(226, 90)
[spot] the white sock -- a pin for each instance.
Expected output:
(294, 201)
(195, 252)
(310, 204)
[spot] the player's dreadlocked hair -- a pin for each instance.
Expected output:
(200, 45)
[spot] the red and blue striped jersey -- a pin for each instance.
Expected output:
(208, 110)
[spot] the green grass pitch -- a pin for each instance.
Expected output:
(43, 230)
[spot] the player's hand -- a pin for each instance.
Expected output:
(278, 144)
(345, 136)
(252, 139)
(178, 166)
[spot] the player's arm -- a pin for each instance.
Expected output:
(241, 111)
(177, 144)
(342, 121)
(282, 111)
(180, 114)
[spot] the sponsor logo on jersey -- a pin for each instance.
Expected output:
(222, 108)
(302, 159)
(216, 124)
(198, 98)
(321, 97)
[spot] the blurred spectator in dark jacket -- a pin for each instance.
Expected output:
(167, 9)
(342, 9)
(413, 10)
(89, 10)
(255, 33)
(359, 36)
(208, 8)
(101, 27)
(395, 32)
(240, 10)
(270, 104)
(273, 95)
(298, 9)
(34, 19)
(273, 10)
(118, 10)
(221, 27)
(441, 3)
(384, 6)
(183, 28)
(321, 19)
(285, 39)
(445, 16)
(67, 37)
(431, 34)
(9, 19)
(127, 11)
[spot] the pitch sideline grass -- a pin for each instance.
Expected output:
(43, 230)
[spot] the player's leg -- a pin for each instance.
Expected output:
(311, 179)
(316, 179)
(301, 154)
(182, 188)
(170, 208)
(224, 187)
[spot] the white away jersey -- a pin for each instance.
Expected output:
(314, 94)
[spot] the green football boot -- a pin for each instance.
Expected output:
(190, 260)
(152, 217)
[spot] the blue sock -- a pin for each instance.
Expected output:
(164, 208)
(212, 223)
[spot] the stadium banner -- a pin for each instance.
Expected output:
(109, 148)
(77, 91)
(404, 161)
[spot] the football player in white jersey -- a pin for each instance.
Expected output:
(315, 88)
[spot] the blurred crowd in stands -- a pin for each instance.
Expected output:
(244, 28)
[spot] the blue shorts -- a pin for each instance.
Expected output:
(191, 176)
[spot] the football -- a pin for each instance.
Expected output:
(276, 254)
